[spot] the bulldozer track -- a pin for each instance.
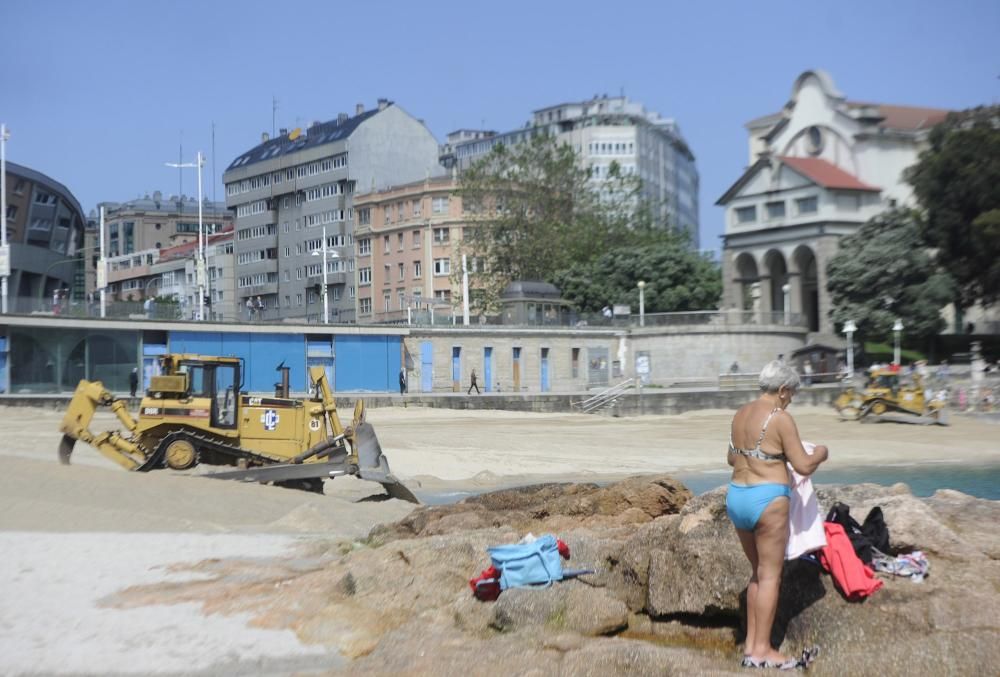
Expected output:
(204, 443)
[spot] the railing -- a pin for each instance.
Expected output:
(605, 398)
(720, 318)
(416, 317)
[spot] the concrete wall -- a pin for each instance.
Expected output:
(675, 354)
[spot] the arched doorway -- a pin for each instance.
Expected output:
(805, 262)
(746, 276)
(777, 269)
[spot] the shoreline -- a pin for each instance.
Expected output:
(435, 491)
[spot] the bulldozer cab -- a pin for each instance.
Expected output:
(193, 377)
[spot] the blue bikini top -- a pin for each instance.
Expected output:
(756, 452)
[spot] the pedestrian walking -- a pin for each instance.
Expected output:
(249, 309)
(473, 383)
(260, 308)
(402, 380)
(133, 381)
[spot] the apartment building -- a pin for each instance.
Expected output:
(604, 130)
(286, 191)
(45, 227)
(174, 277)
(169, 274)
(407, 246)
(156, 223)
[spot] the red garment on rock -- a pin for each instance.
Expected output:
(855, 580)
(486, 575)
(563, 548)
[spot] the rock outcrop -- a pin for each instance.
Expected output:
(668, 595)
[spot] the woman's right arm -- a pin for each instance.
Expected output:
(791, 444)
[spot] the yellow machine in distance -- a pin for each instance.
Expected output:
(886, 394)
(195, 412)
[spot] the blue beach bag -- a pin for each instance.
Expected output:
(526, 564)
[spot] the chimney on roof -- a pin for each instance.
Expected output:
(383, 104)
(157, 195)
(264, 137)
(359, 109)
(313, 124)
(283, 131)
(341, 118)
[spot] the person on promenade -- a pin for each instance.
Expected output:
(763, 437)
(402, 380)
(249, 309)
(474, 383)
(133, 381)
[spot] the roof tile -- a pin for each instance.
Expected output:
(826, 174)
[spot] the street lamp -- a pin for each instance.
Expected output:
(322, 252)
(642, 303)
(849, 329)
(897, 327)
(200, 263)
(786, 289)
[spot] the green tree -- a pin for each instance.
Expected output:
(676, 278)
(884, 272)
(535, 210)
(957, 182)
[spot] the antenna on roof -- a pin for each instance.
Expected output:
(180, 160)
(213, 167)
(274, 112)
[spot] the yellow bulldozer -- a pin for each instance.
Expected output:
(195, 412)
(886, 397)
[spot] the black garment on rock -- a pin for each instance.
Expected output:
(873, 534)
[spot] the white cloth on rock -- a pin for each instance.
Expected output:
(805, 524)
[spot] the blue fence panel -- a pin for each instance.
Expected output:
(197, 342)
(267, 351)
(426, 366)
(368, 363)
(261, 353)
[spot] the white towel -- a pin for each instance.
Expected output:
(805, 525)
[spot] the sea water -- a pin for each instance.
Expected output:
(981, 481)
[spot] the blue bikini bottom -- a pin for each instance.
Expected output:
(745, 503)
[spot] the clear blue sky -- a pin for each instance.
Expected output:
(99, 94)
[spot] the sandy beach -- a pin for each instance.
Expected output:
(75, 537)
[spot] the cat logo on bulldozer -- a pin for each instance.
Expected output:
(270, 419)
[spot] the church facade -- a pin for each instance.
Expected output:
(818, 169)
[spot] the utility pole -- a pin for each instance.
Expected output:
(4, 247)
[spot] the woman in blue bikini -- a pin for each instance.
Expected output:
(762, 439)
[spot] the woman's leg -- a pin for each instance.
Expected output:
(770, 537)
(750, 550)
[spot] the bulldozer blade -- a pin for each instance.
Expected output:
(373, 465)
(285, 473)
(66, 448)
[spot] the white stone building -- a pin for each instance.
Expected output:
(819, 169)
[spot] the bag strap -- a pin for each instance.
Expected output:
(538, 553)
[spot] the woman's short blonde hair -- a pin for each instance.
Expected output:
(776, 374)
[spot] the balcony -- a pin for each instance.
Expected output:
(331, 278)
(258, 290)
